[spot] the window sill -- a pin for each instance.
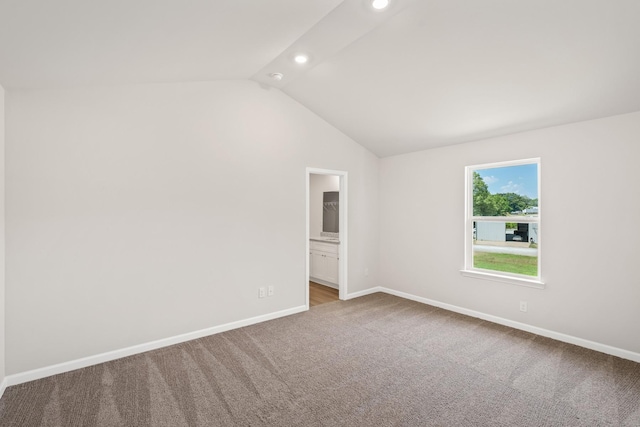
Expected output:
(531, 283)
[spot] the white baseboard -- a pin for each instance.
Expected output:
(35, 374)
(3, 387)
(592, 345)
(363, 293)
(324, 283)
(72, 365)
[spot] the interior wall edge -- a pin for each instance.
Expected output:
(3, 371)
(362, 293)
(569, 339)
(72, 365)
(32, 375)
(3, 386)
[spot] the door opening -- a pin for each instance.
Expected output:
(326, 260)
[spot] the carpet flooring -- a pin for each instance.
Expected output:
(377, 360)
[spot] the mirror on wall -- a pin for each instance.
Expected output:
(330, 212)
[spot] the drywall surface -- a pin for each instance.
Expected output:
(2, 240)
(589, 246)
(144, 212)
(318, 184)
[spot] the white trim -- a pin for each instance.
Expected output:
(513, 280)
(324, 283)
(469, 270)
(344, 231)
(592, 345)
(363, 293)
(514, 218)
(3, 387)
(307, 244)
(344, 234)
(60, 368)
(72, 365)
(505, 163)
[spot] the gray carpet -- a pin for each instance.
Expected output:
(378, 360)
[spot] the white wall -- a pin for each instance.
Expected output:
(318, 184)
(143, 212)
(592, 281)
(2, 241)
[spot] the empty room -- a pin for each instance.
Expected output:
(319, 213)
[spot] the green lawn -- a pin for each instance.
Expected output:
(519, 264)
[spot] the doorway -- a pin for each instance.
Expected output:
(326, 251)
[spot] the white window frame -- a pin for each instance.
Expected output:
(500, 276)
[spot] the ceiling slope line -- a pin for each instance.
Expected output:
(340, 28)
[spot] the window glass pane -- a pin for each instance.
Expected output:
(509, 190)
(507, 247)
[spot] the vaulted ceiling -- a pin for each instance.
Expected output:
(416, 75)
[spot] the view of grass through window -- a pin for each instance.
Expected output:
(505, 219)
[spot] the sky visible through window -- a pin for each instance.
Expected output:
(521, 179)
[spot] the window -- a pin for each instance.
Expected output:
(502, 227)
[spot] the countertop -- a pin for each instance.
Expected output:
(325, 239)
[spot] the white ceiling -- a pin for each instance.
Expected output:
(421, 74)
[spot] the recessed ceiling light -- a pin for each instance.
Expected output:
(380, 4)
(301, 58)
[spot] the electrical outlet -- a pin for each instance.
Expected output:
(262, 292)
(523, 306)
(366, 272)
(270, 291)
